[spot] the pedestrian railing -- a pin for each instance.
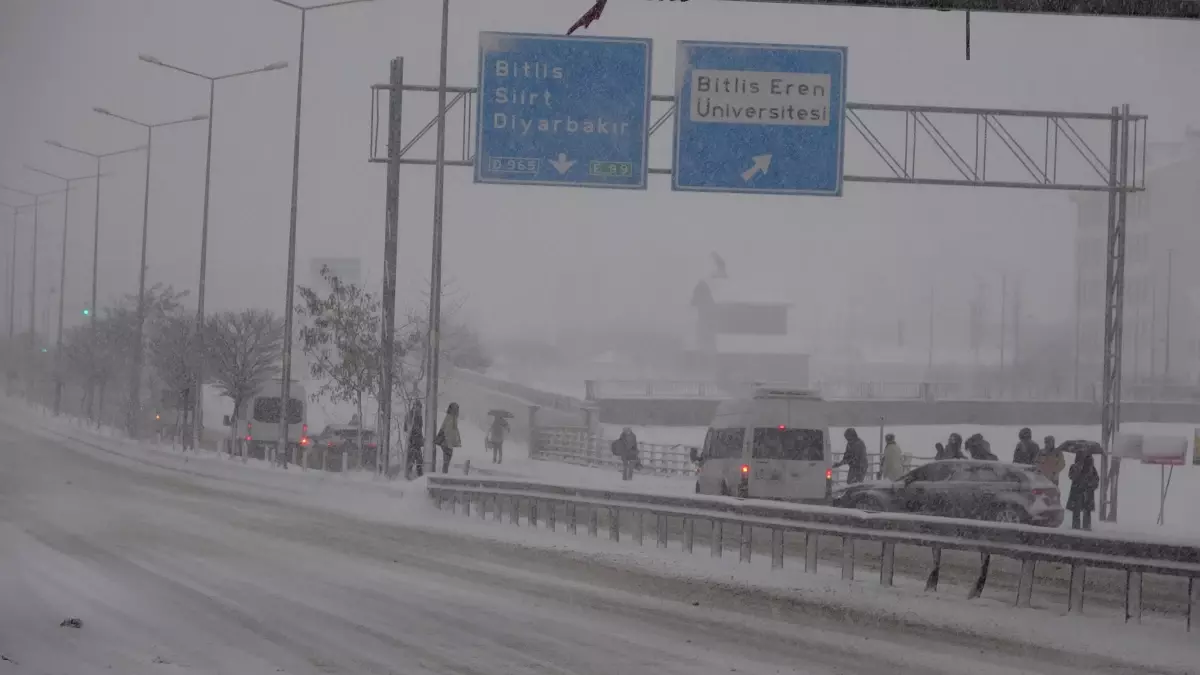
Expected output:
(578, 445)
(551, 504)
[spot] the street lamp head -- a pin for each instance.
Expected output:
(198, 118)
(54, 143)
(102, 111)
(150, 59)
(278, 65)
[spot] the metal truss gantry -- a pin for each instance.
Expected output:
(992, 149)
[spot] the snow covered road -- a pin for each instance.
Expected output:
(172, 573)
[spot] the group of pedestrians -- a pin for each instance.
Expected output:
(1048, 459)
(447, 439)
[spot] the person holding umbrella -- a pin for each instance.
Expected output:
(496, 433)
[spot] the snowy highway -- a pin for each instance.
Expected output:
(170, 571)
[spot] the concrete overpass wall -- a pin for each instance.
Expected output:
(698, 412)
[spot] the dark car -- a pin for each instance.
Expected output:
(980, 490)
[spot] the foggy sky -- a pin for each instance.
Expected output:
(529, 260)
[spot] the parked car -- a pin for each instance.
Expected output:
(980, 490)
(338, 438)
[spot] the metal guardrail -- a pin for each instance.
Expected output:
(1025, 544)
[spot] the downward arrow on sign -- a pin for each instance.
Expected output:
(562, 163)
(761, 164)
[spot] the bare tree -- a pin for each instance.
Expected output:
(173, 360)
(243, 350)
(341, 337)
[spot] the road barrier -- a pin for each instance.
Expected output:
(1026, 544)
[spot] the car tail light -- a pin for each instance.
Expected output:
(745, 469)
(329, 444)
(371, 446)
(304, 441)
(828, 474)
(249, 431)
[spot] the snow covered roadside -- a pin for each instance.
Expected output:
(1154, 645)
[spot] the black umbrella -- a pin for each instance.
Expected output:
(1080, 446)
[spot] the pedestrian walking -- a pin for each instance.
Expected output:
(414, 424)
(448, 437)
(626, 448)
(495, 436)
(891, 466)
(855, 457)
(1050, 460)
(1026, 451)
(1082, 499)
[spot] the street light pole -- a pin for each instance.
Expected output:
(12, 265)
(286, 361)
(197, 402)
(62, 281)
(96, 224)
(135, 375)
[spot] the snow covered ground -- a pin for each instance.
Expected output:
(203, 564)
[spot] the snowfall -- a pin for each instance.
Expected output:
(200, 563)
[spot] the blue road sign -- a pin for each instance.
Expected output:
(759, 118)
(559, 110)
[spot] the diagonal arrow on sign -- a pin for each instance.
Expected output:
(761, 164)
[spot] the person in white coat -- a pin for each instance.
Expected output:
(891, 467)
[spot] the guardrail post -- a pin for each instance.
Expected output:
(811, 540)
(593, 520)
(689, 534)
(637, 527)
(551, 507)
(715, 535)
(776, 549)
(847, 559)
(571, 522)
(1075, 597)
(533, 513)
(483, 507)
(1025, 582)
(437, 499)
(931, 583)
(1193, 602)
(324, 460)
(498, 509)
(514, 515)
(984, 564)
(744, 541)
(887, 564)
(660, 527)
(466, 500)
(1133, 596)
(345, 459)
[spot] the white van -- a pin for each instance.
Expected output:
(773, 444)
(259, 418)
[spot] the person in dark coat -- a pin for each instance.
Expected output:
(980, 449)
(1084, 482)
(414, 423)
(855, 458)
(626, 448)
(1026, 450)
(952, 449)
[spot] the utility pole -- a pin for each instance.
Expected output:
(929, 367)
(1167, 356)
(391, 234)
(1078, 317)
(1003, 318)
